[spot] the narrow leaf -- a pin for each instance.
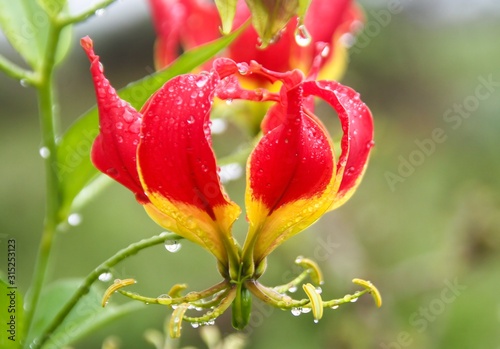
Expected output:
(26, 25)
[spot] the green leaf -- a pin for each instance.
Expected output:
(73, 161)
(27, 25)
(227, 10)
(11, 316)
(269, 17)
(87, 315)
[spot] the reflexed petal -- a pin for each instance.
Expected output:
(177, 165)
(186, 23)
(114, 150)
(357, 140)
(290, 177)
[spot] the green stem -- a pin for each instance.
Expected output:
(93, 276)
(44, 86)
(66, 20)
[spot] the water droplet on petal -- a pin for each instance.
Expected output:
(242, 68)
(74, 219)
(172, 245)
(302, 36)
(105, 277)
(113, 172)
(325, 51)
(190, 120)
(202, 80)
(44, 152)
(370, 144)
(296, 311)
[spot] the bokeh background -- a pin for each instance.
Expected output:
(423, 226)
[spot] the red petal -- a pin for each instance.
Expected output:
(177, 164)
(293, 161)
(114, 150)
(187, 22)
(290, 176)
(357, 139)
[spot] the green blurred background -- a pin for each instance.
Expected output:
(423, 226)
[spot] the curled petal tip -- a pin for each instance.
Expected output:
(88, 45)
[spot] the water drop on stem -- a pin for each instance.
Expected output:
(172, 245)
(44, 152)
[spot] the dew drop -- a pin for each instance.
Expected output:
(370, 144)
(100, 12)
(335, 307)
(172, 245)
(24, 83)
(350, 171)
(127, 116)
(348, 40)
(299, 259)
(296, 311)
(44, 152)
(316, 321)
(242, 68)
(302, 36)
(229, 101)
(230, 172)
(354, 300)
(218, 126)
(105, 277)
(195, 325)
(202, 81)
(190, 120)
(113, 172)
(164, 296)
(292, 289)
(306, 310)
(325, 51)
(74, 219)
(319, 290)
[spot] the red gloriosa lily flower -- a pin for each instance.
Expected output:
(163, 154)
(189, 23)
